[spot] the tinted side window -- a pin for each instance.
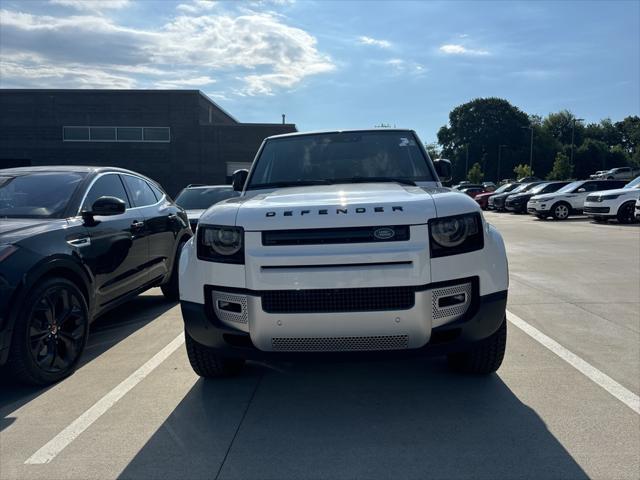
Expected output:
(140, 191)
(156, 191)
(106, 186)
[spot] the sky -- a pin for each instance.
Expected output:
(330, 64)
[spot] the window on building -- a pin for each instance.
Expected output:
(116, 134)
(75, 134)
(156, 134)
(129, 134)
(141, 192)
(102, 134)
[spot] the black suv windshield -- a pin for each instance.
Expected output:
(202, 198)
(37, 195)
(345, 157)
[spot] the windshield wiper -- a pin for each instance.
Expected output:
(402, 181)
(296, 183)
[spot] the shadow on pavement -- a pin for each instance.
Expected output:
(106, 332)
(403, 419)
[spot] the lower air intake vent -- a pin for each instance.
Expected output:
(452, 302)
(339, 344)
(338, 300)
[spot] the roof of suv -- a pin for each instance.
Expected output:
(319, 132)
(66, 168)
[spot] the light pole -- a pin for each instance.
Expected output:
(499, 157)
(530, 148)
(573, 128)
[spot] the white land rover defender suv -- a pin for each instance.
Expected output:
(343, 244)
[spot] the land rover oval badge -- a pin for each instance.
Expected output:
(384, 233)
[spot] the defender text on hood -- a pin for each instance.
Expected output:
(343, 243)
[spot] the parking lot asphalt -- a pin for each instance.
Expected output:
(576, 282)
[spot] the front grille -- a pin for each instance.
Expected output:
(321, 236)
(596, 209)
(339, 344)
(338, 300)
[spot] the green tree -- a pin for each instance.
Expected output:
(475, 174)
(433, 150)
(591, 156)
(629, 129)
(562, 168)
(482, 125)
(560, 124)
(523, 170)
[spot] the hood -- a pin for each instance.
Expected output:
(486, 194)
(549, 196)
(617, 191)
(13, 230)
(341, 205)
(194, 214)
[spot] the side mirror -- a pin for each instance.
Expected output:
(239, 179)
(443, 169)
(580, 190)
(105, 206)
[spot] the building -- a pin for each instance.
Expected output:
(176, 137)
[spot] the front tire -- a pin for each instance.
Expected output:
(171, 289)
(51, 332)
(560, 211)
(626, 213)
(484, 357)
(207, 363)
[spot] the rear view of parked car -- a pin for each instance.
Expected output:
(74, 243)
(195, 199)
(620, 173)
(569, 200)
(618, 204)
(518, 201)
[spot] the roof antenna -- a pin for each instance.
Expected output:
(283, 116)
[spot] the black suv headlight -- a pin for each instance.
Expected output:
(217, 243)
(455, 235)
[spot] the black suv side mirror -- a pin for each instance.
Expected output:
(443, 169)
(105, 206)
(239, 178)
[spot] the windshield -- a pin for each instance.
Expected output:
(635, 183)
(344, 157)
(37, 195)
(539, 188)
(570, 187)
(507, 187)
(203, 198)
(519, 188)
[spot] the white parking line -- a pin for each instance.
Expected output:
(84, 421)
(627, 397)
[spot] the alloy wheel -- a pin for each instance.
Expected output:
(562, 212)
(57, 328)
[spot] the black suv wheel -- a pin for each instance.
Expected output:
(207, 363)
(50, 333)
(484, 357)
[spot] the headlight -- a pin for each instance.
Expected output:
(455, 235)
(221, 244)
(609, 197)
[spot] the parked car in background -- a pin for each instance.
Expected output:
(620, 173)
(475, 190)
(596, 175)
(569, 200)
(483, 198)
(195, 199)
(529, 179)
(618, 203)
(465, 183)
(74, 243)
(517, 202)
(498, 201)
(489, 186)
(638, 209)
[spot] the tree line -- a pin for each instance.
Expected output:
(498, 137)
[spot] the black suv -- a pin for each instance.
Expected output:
(75, 242)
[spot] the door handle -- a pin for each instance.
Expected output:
(137, 224)
(80, 242)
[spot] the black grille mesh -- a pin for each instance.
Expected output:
(338, 300)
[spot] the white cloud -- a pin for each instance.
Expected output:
(263, 51)
(400, 66)
(454, 49)
(197, 6)
(92, 5)
(363, 40)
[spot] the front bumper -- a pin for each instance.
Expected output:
(425, 335)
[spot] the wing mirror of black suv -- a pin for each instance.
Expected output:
(581, 190)
(104, 206)
(443, 169)
(239, 178)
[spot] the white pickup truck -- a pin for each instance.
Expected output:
(343, 244)
(620, 173)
